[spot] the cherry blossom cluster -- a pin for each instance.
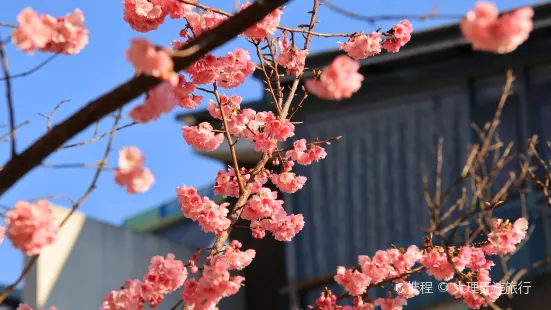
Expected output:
(395, 265)
(131, 173)
(151, 60)
(339, 80)
(64, 35)
(211, 216)
(361, 46)
(489, 32)
(31, 226)
(164, 276)
(266, 213)
(216, 281)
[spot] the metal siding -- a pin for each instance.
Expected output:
(367, 194)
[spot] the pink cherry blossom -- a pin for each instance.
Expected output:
(64, 35)
(400, 36)
(2, 233)
(235, 68)
(505, 236)
(160, 100)
(241, 122)
(204, 71)
(277, 129)
(177, 9)
(184, 92)
(263, 204)
(291, 58)
(353, 281)
(31, 33)
(405, 289)
(390, 303)
(130, 158)
(202, 137)
(204, 21)
(148, 59)
(488, 32)
(304, 155)
(136, 181)
(229, 104)
(214, 217)
(436, 262)
(31, 227)
(266, 27)
(214, 284)
(288, 182)
(282, 226)
(130, 172)
(363, 46)
(127, 298)
(164, 276)
(69, 36)
(143, 15)
(340, 80)
(234, 257)
(327, 300)
(211, 216)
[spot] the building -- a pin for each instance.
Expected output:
(368, 193)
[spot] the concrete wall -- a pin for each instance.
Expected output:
(91, 258)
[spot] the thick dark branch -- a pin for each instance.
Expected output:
(33, 156)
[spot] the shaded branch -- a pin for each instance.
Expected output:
(20, 165)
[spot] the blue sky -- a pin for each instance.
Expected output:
(102, 65)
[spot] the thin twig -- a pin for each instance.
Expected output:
(309, 32)
(95, 137)
(3, 137)
(33, 70)
(51, 115)
(433, 14)
(9, 100)
(229, 138)
(7, 25)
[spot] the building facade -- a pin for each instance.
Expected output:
(368, 193)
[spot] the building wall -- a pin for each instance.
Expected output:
(91, 258)
(368, 194)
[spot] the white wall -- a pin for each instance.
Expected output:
(91, 258)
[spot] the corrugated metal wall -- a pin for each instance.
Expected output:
(367, 194)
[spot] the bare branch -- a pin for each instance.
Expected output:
(33, 70)
(9, 100)
(433, 14)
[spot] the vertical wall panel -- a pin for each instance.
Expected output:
(368, 192)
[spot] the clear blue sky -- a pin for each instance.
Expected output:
(102, 65)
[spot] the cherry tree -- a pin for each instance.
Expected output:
(186, 74)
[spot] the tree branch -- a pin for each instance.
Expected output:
(33, 156)
(9, 100)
